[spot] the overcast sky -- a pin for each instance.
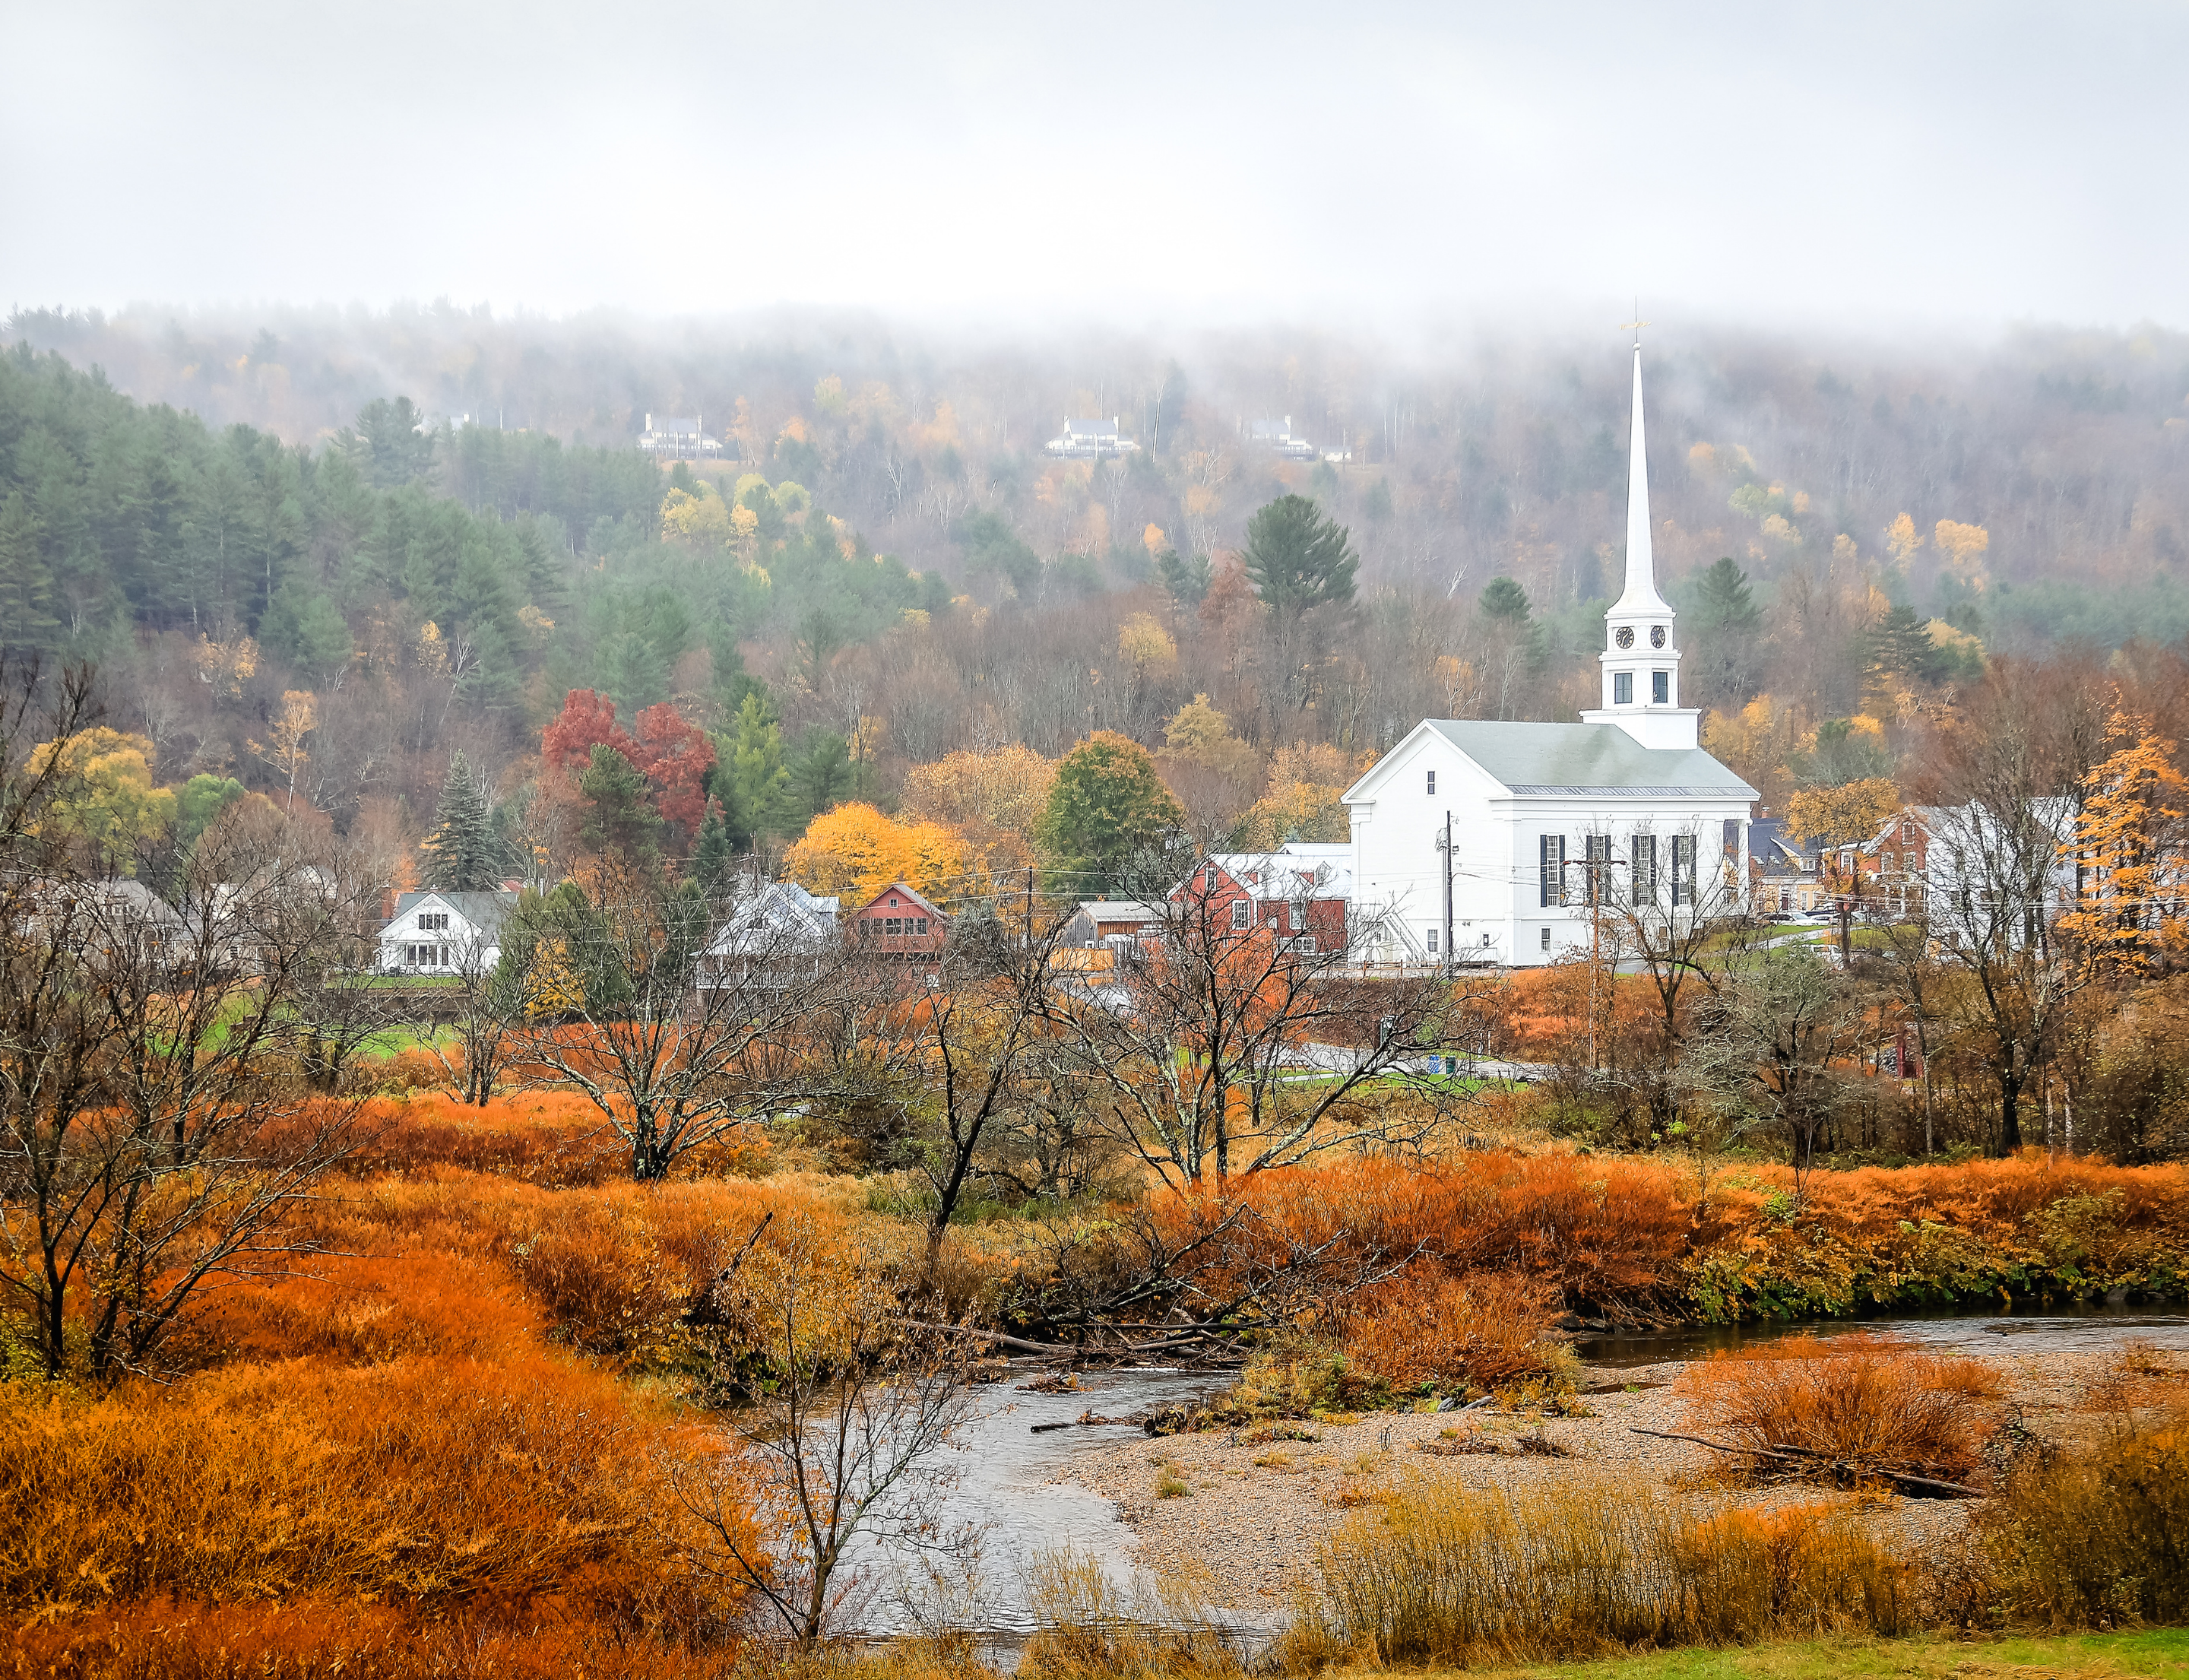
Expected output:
(1853, 166)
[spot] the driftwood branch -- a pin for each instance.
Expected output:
(1798, 1454)
(996, 1336)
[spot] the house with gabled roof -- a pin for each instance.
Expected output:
(899, 920)
(436, 932)
(1305, 901)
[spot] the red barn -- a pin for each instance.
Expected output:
(897, 919)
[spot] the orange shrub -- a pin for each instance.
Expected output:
(312, 1639)
(1862, 1397)
(1590, 1228)
(1936, 1233)
(426, 1482)
(1428, 1328)
(549, 1137)
(447, 1262)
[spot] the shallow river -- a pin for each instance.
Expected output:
(1004, 1469)
(2024, 1329)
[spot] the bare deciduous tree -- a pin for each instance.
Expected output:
(848, 1445)
(686, 1017)
(1218, 1049)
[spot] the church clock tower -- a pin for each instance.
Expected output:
(1641, 660)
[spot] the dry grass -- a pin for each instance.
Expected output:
(1086, 1623)
(1864, 1398)
(315, 1640)
(2098, 1536)
(1446, 1575)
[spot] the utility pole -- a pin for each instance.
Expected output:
(1447, 896)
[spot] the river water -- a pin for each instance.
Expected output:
(2019, 1330)
(1004, 1470)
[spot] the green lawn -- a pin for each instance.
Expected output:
(2160, 1655)
(394, 1040)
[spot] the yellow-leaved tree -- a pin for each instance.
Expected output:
(1844, 815)
(994, 800)
(855, 851)
(701, 520)
(1962, 548)
(1756, 743)
(105, 793)
(2131, 852)
(1302, 801)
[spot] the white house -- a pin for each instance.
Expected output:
(765, 923)
(445, 932)
(1553, 824)
(1090, 440)
(681, 437)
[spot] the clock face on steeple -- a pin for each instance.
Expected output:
(1656, 636)
(1624, 635)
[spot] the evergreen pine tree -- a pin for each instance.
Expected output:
(711, 856)
(463, 852)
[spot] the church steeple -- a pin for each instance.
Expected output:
(1641, 661)
(1640, 597)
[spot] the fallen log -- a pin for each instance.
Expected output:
(997, 1335)
(1797, 1456)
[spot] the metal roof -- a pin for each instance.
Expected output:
(1579, 760)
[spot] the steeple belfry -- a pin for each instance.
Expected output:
(1641, 661)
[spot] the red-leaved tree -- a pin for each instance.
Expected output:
(588, 719)
(674, 757)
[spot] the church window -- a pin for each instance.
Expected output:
(1432, 781)
(1732, 836)
(1644, 868)
(1623, 688)
(1599, 865)
(1684, 869)
(1551, 861)
(1660, 688)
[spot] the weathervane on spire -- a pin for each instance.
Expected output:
(1635, 326)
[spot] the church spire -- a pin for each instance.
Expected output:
(1641, 660)
(1640, 594)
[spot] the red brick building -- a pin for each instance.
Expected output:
(897, 919)
(1295, 893)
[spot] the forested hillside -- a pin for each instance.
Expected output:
(315, 556)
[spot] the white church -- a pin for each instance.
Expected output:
(1553, 826)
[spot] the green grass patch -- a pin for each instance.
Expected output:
(2161, 1654)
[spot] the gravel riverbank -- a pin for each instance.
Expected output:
(1257, 1510)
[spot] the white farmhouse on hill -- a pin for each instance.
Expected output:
(1553, 824)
